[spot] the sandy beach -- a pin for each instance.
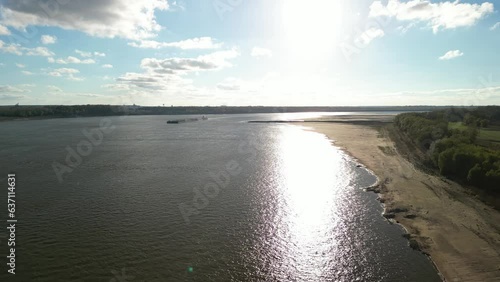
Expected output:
(460, 233)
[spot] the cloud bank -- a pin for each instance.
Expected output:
(135, 19)
(438, 16)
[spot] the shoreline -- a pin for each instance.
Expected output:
(375, 188)
(459, 233)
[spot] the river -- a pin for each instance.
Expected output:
(136, 199)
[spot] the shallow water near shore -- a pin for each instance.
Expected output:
(215, 200)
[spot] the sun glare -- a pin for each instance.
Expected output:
(312, 181)
(311, 27)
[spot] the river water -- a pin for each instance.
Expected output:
(135, 199)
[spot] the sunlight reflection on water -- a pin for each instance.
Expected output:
(310, 176)
(320, 224)
(309, 193)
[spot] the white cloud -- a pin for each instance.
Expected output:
(102, 18)
(14, 93)
(442, 15)
(74, 78)
(71, 60)
(27, 85)
(86, 54)
(451, 55)
(53, 88)
(90, 95)
(167, 74)
(39, 51)
(220, 58)
(117, 86)
(61, 71)
(230, 84)
(13, 89)
(4, 30)
(83, 53)
(8, 97)
(10, 48)
(68, 73)
(48, 39)
(188, 44)
(27, 73)
(261, 52)
(459, 97)
(17, 49)
(11, 93)
(495, 26)
(107, 66)
(20, 66)
(213, 61)
(228, 87)
(75, 60)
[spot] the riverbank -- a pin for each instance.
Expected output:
(460, 233)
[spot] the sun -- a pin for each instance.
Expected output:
(311, 26)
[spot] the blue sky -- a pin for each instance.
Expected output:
(241, 52)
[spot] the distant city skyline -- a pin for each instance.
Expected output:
(240, 53)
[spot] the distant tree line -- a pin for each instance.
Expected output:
(106, 110)
(58, 111)
(454, 152)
